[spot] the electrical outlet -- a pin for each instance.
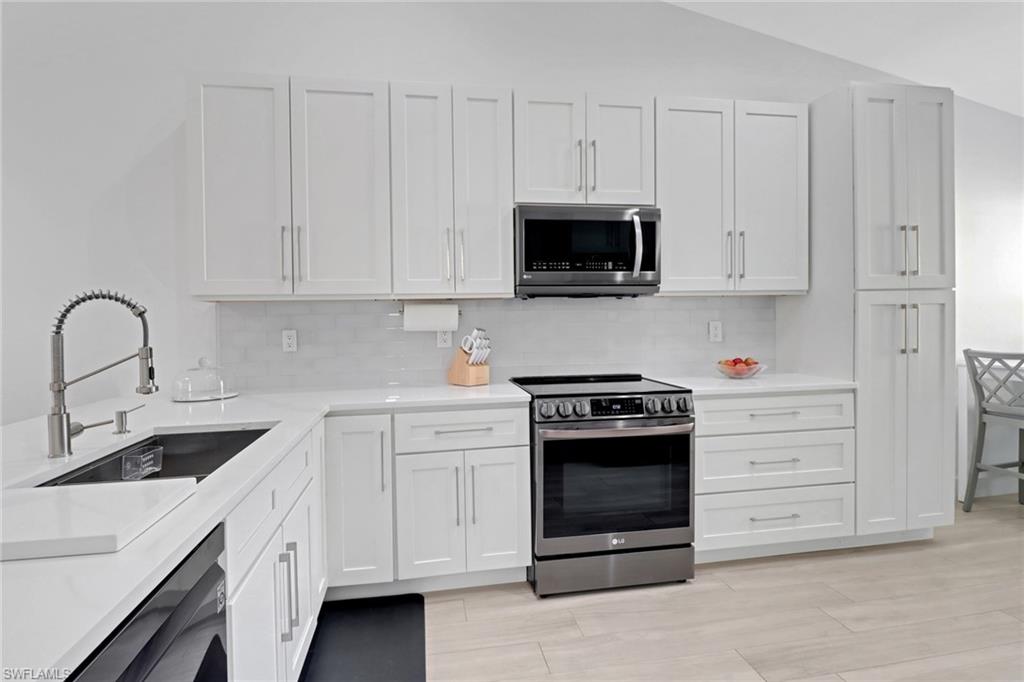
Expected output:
(444, 339)
(289, 340)
(715, 331)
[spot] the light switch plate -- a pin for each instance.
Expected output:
(444, 339)
(289, 340)
(715, 334)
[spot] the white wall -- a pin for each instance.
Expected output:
(93, 120)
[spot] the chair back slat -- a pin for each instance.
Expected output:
(998, 381)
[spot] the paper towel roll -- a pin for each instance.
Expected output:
(430, 317)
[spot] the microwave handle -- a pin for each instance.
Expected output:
(639, 245)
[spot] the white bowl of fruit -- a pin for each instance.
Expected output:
(739, 368)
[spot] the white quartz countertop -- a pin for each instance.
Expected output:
(720, 386)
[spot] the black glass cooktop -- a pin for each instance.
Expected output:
(592, 384)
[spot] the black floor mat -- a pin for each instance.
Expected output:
(369, 640)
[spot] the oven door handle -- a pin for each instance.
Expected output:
(639, 245)
(575, 434)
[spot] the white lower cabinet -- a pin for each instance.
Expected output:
(462, 510)
(256, 619)
(300, 533)
(360, 541)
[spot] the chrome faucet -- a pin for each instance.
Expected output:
(60, 428)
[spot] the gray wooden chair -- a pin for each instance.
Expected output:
(998, 383)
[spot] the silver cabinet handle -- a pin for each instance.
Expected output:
(472, 471)
(916, 229)
(743, 254)
(575, 433)
(791, 460)
(284, 231)
(579, 148)
(382, 461)
(638, 257)
(917, 328)
(906, 251)
(593, 180)
(286, 559)
(728, 254)
(903, 307)
(789, 413)
(448, 251)
(293, 549)
(775, 518)
(458, 516)
(462, 255)
(475, 429)
(298, 252)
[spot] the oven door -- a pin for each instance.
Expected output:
(613, 485)
(587, 248)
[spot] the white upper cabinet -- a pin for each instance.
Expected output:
(241, 189)
(903, 186)
(550, 131)
(482, 126)
(422, 199)
(771, 196)
(620, 150)
(340, 198)
(695, 194)
(930, 187)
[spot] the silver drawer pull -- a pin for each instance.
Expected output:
(293, 549)
(475, 429)
(790, 413)
(775, 518)
(792, 460)
(286, 559)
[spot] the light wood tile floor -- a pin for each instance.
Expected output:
(950, 609)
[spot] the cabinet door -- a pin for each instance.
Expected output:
(880, 186)
(498, 508)
(771, 196)
(256, 619)
(482, 125)
(431, 514)
(299, 536)
(881, 372)
(620, 150)
(695, 192)
(549, 139)
(360, 541)
(422, 202)
(318, 549)
(340, 187)
(241, 187)
(930, 187)
(931, 410)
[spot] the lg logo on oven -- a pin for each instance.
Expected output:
(618, 541)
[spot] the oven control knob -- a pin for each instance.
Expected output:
(547, 410)
(683, 405)
(652, 405)
(582, 409)
(667, 405)
(565, 409)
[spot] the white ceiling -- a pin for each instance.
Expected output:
(976, 48)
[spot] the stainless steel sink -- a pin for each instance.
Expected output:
(185, 455)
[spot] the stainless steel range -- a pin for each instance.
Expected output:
(612, 481)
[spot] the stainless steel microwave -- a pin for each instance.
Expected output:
(587, 250)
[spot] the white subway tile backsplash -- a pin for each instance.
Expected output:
(361, 343)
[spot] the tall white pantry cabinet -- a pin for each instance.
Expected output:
(882, 190)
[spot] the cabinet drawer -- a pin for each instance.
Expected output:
(768, 516)
(726, 416)
(461, 430)
(250, 524)
(773, 460)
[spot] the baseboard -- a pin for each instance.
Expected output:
(848, 542)
(435, 584)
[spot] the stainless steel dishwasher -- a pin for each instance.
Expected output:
(178, 633)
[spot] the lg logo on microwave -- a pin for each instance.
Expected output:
(618, 541)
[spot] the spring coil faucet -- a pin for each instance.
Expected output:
(60, 428)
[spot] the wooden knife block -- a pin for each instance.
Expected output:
(461, 373)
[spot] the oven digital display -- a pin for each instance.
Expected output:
(609, 407)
